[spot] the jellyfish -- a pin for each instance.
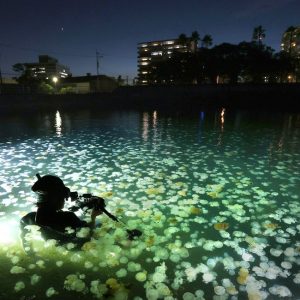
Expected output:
(208, 277)
(17, 270)
(221, 226)
(50, 292)
(34, 279)
(280, 291)
(141, 276)
(20, 285)
(219, 290)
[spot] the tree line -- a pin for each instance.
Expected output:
(248, 62)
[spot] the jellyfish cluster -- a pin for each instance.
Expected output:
(218, 221)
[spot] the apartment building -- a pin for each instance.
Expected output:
(48, 68)
(150, 53)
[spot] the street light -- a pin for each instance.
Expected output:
(55, 79)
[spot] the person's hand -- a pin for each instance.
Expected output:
(95, 213)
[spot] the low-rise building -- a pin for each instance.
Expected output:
(149, 53)
(87, 84)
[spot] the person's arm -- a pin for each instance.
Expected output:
(94, 214)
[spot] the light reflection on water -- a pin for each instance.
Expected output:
(178, 178)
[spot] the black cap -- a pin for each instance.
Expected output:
(50, 184)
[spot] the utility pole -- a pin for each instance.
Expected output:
(98, 57)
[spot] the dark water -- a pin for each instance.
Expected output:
(215, 193)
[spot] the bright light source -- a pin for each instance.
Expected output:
(8, 232)
(54, 79)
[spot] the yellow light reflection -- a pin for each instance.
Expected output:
(154, 119)
(145, 126)
(58, 123)
(154, 123)
(222, 118)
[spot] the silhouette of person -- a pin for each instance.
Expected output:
(52, 194)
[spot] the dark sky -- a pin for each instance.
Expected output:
(72, 30)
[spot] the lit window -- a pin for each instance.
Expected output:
(145, 72)
(145, 58)
(169, 42)
(144, 63)
(144, 81)
(156, 53)
(155, 44)
(144, 45)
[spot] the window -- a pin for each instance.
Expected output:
(156, 53)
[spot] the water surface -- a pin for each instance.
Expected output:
(215, 193)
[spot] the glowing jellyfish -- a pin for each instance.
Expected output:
(17, 270)
(152, 294)
(286, 265)
(243, 275)
(40, 263)
(121, 273)
(221, 226)
(123, 260)
(50, 292)
(59, 263)
(208, 277)
(219, 290)
(280, 291)
(297, 278)
(247, 257)
(133, 267)
(218, 244)
(141, 276)
(289, 252)
(188, 296)
(98, 289)
(175, 258)
(20, 285)
(74, 283)
(158, 277)
(34, 279)
(275, 252)
(15, 259)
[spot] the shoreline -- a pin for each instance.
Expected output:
(183, 97)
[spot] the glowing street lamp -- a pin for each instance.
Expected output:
(55, 79)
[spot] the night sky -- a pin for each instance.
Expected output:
(72, 30)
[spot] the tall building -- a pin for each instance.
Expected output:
(291, 41)
(47, 68)
(150, 53)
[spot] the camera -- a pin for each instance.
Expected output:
(87, 201)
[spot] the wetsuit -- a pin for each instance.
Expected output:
(58, 220)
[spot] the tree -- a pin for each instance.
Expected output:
(195, 37)
(183, 39)
(259, 33)
(25, 78)
(207, 41)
